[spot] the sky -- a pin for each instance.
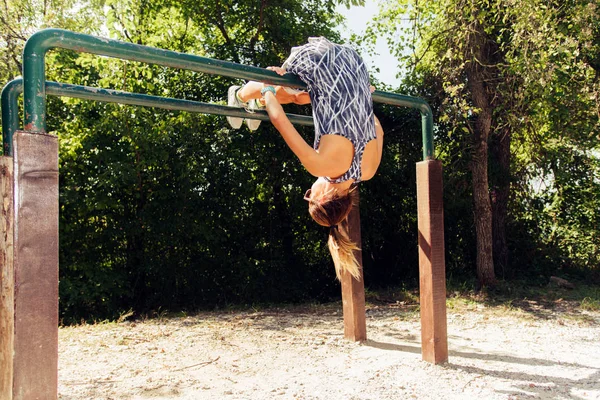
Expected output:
(357, 19)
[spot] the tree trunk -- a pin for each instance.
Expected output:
(483, 209)
(478, 76)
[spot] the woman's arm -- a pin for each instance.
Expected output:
(315, 163)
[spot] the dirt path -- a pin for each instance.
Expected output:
(299, 353)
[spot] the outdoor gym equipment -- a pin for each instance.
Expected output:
(29, 190)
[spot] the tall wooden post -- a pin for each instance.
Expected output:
(36, 266)
(432, 267)
(353, 291)
(7, 280)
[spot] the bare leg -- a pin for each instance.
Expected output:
(251, 90)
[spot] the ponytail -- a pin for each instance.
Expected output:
(330, 211)
(342, 253)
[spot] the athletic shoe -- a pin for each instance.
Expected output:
(253, 105)
(232, 100)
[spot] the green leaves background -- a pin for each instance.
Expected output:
(171, 210)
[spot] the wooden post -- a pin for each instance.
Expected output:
(36, 266)
(432, 268)
(353, 291)
(7, 280)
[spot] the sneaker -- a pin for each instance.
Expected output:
(253, 105)
(232, 100)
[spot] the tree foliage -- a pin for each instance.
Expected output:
(171, 210)
(19, 19)
(518, 87)
(184, 213)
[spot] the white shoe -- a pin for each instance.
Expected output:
(232, 100)
(253, 124)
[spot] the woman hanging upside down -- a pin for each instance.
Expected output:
(348, 137)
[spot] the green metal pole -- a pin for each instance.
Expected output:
(10, 113)
(40, 42)
(10, 93)
(136, 99)
(424, 109)
(427, 133)
(13, 89)
(34, 79)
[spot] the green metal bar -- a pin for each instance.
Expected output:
(10, 113)
(10, 93)
(40, 42)
(426, 116)
(136, 99)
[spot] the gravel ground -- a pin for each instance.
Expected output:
(500, 352)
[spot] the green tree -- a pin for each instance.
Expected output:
(455, 45)
(19, 19)
(512, 75)
(171, 210)
(558, 158)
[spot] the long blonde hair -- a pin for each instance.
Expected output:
(331, 210)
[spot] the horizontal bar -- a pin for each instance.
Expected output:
(40, 42)
(10, 93)
(412, 102)
(167, 103)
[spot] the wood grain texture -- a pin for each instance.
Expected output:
(36, 266)
(353, 291)
(7, 280)
(432, 264)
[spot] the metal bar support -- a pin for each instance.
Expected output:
(34, 74)
(10, 94)
(28, 260)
